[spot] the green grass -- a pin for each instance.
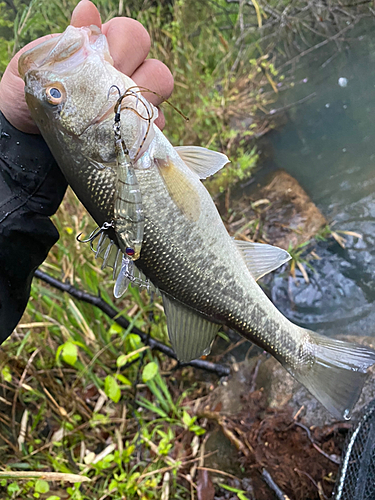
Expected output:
(217, 81)
(89, 387)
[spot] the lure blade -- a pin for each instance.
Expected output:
(107, 254)
(116, 266)
(99, 247)
(124, 277)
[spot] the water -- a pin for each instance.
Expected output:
(328, 145)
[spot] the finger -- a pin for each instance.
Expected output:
(13, 104)
(160, 120)
(129, 43)
(85, 14)
(155, 76)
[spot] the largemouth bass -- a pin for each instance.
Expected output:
(206, 278)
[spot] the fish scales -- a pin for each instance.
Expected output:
(201, 286)
(205, 277)
(191, 266)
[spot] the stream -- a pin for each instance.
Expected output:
(328, 145)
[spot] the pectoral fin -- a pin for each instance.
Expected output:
(180, 189)
(190, 334)
(202, 161)
(261, 258)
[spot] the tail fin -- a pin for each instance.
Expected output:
(337, 374)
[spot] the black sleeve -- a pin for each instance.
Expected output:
(31, 189)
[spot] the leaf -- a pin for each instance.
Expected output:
(115, 328)
(258, 13)
(127, 358)
(240, 493)
(122, 360)
(340, 240)
(123, 379)
(47, 476)
(241, 496)
(13, 488)
(69, 353)
(41, 486)
(151, 407)
(351, 233)
(149, 371)
(5, 372)
(186, 418)
(197, 429)
(134, 341)
(303, 272)
(112, 389)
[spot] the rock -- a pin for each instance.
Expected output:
(286, 214)
(221, 453)
(227, 398)
(292, 217)
(257, 431)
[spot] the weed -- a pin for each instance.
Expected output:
(300, 259)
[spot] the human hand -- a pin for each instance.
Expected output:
(129, 45)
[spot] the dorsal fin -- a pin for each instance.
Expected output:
(204, 162)
(191, 335)
(261, 258)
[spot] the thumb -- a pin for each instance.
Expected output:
(85, 14)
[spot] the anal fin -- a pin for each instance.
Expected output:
(191, 335)
(261, 258)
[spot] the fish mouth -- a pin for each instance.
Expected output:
(64, 52)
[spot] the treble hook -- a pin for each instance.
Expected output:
(95, 233)
(114, 87)
(135, 94)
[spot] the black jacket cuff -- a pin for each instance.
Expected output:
(31, 189)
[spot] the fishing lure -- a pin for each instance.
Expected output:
(128, 219)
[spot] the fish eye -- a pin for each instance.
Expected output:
(54, 95)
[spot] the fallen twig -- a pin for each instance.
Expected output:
(47, 476)
(317, 485)
(293, 104)
(332, 458)
(266, 476)
(101, 304)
